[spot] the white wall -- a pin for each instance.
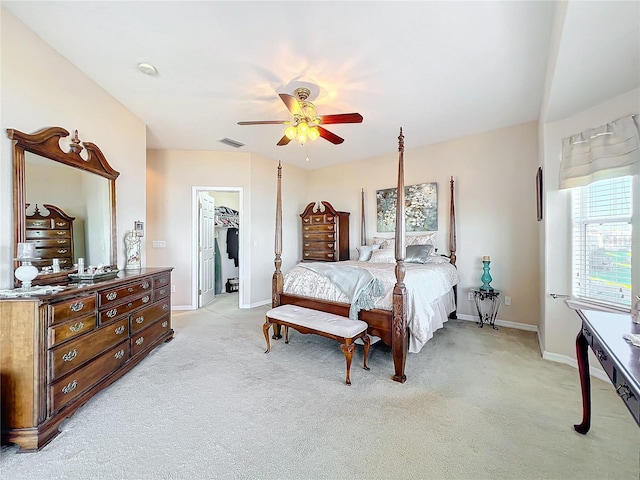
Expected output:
(495, 206)
(171, 174)
(39, 88)
(561, 324)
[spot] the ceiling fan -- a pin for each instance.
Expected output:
(306, 124)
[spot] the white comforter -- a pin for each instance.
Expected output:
(425, 284)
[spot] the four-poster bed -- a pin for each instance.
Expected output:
(389, 319)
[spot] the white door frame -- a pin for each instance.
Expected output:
(195, 240)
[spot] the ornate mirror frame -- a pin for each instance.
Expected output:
(46, 143)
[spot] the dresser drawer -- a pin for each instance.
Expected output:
(68, 388)
(145, 317)
(318, 228)
(53, 252)
(76, 307)
(74, 327)
(72, 354)
(319, 255)
(147, 337)
(115, 311)
(39, 223)
(161, 292)
(161, 281)
(318, 236)
(36, 234)
(319, 246)
(52, 242)
(117, 295)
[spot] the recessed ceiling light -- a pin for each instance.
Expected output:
(147, 69)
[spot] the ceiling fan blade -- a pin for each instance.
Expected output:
(264, 122)
(341, 118)
(292, 103)
(283, 141)
(332, 137)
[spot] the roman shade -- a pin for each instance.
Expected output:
(608, 151)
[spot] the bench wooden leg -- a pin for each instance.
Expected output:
(367, 344)
(265, 330)
(348, 354)
(286, 334)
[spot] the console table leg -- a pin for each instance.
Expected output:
(582, 354)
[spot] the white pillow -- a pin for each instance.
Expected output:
(437, 259)
(364, 252)
(383, 255)
(424, 239)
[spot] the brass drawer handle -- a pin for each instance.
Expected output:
(140, 319)
(112, 295)
(165, 306)
(306, 254)
(146, 299)
(61, 224)
(62, 250)
(70, 387)
(120, 330)
(76, 327)
(69, 356)
(146, 285)
(140, 341)
(165, 324)
(329, 245)
(162, 292)
(37, 224)
(61, 242)
(306, 244)
(112, 313)
(76, 307)
(119, 354)
(130, 289)
(330, 227)
(61, 233)
(330, 255)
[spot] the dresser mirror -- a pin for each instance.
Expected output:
(50, 182)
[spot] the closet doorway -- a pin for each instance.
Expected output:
(217, 247)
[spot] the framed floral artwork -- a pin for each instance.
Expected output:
(421, 208)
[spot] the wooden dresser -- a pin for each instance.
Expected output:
(325, 233)
(58, 350)
(52, 235)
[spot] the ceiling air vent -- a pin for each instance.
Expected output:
(232, 143)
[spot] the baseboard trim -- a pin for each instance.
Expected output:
(572, 362)
(257, 304)
(182, 307)
(501, 323)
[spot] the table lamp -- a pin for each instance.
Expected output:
(26, 272)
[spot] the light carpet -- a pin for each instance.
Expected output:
(478, 404)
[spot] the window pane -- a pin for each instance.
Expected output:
(602, 237)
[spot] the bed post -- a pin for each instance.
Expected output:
(277, 279)
(363, 228)
(452, 241)
(399, 322)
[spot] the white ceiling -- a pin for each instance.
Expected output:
(438, 69)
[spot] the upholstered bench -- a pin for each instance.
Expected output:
(306, 320)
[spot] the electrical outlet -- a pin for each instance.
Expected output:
(470, 296)
(507, 301)
(173, 288)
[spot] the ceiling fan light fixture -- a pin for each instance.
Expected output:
(314, 133)
(291, 132)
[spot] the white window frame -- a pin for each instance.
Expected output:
(581, 258)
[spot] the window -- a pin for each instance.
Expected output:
(602, 241)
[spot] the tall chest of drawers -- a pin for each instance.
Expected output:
(52, 235)
(59, 350)
(325, 233)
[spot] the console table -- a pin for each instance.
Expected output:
(602, 331)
